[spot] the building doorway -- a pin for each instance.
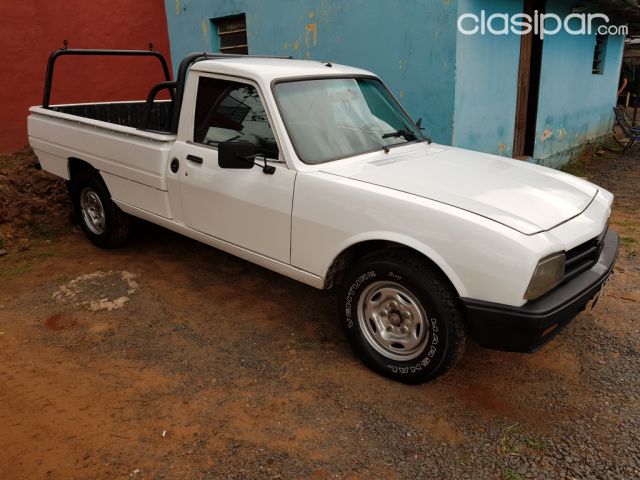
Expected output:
(528, 86)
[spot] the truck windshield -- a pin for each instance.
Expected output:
(334, 118)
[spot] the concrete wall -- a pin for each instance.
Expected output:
(464, 87)
(411, 45)
(486, 83)
(32, 29)
(575, 105)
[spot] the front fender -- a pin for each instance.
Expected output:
(483, 259)
(405, 241)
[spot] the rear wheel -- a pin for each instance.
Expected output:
(104, 224)
(402, 317)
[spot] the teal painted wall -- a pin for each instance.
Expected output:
(575, 105)
(410, 44)
(486, 83)
(463, 87)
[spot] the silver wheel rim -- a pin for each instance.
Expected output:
(393, 321)
(92, 211)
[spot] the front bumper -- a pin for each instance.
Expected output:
(527, 328)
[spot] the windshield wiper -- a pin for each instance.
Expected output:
(406, 134)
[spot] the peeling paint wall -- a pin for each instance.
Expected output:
(486, 83)
(575, 105)
(464, 87)
(411, 45)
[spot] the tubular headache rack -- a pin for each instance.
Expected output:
(189, 60)
(175, 87)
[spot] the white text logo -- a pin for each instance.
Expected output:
(541, 24)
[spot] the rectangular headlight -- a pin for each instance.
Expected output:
(548, 274)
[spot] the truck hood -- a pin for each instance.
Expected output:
(526, 197)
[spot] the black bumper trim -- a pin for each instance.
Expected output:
(527, 328)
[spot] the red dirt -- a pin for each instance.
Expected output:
(217, 368)
(33, 203)
(59, 322)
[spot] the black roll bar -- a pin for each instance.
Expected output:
(176, 88)
(183, 69)
(97, 52)
(146, 114)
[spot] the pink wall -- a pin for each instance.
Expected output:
(32, 29)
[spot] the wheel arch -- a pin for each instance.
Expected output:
(75, 165)
(360, 246)
(115, 228)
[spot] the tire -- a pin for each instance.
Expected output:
(104, 224)
(402, 317)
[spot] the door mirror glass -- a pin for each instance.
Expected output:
(236, 155)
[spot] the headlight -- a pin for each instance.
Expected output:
(548, 274)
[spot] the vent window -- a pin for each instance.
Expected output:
(232, 34)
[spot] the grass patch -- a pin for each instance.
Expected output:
(577, 168)
(513, 442)
(629, 241)
(303, 344)
(10, 270)
(62, 278)
(626, 222)
(42, 231)
(511, 475)
(590, 160)
(43, 255)
(536, 444)
(19, 263)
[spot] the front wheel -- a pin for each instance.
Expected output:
(402, 317)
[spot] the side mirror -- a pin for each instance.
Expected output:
(236, 155)
(241, 155)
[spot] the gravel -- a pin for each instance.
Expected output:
(258, 381)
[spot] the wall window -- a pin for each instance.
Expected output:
(232, 34)
(232, 111)
(599, 54)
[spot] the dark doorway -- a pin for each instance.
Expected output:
(528, 86)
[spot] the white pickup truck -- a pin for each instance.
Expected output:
(315, 171)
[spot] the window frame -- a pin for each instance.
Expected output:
(600, 53)
(229, 18)
(282, 158)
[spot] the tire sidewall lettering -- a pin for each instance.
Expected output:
(351, 300)
(427, 359)
(353, 290)
(394, 276)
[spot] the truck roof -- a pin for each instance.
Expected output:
(268, 69)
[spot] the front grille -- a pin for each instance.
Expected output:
(583, 257)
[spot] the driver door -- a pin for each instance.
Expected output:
(246, 208)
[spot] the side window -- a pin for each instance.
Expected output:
(232, 111)
(232, 34)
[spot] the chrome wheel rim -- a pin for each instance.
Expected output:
(393, 321)
(92, 211)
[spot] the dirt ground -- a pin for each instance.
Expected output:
(167, 359)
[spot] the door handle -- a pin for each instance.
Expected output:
(194, 159)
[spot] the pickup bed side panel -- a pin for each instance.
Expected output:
(133, 167)
(138, 195)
